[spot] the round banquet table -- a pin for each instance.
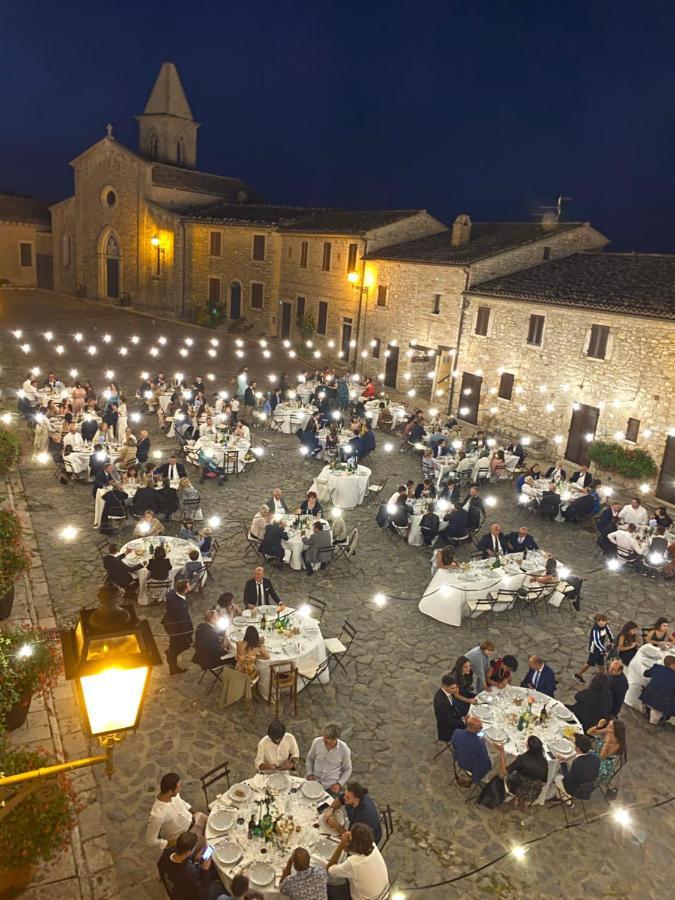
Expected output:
(129, 490)
(451, 592)
(294, 545)
(306, 647)
(164, 400)
(78, 460)
(647, 656)
(290, 418)
(177, 550)
(342, 488)
(373, 413)
(419, 508)
(217, 450)
(310, 830)
(500, 708)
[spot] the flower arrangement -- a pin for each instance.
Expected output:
(37, 828)
(9, 450)
(14, 556)
(28, 664)
(631, 462)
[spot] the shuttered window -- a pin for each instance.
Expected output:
(382, 291)
(325, 262)
(535, 331)
(482, 321)
(259, 247)
(376, 348)
(215, 243)
(351, 257)
(26, 255)
(632, 430)
(214, 290)
(300, 308)
(436, 308)
(304, 253)
(506, 386)
(257, 293)
(323, 317)
(597, 344)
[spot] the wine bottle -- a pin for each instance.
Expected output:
(251, 826)
(521, 721)
(263, 622)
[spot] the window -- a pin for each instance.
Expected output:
(153, 145)
(375, 347)
(323, 317)
(547, 253)
(257, 291)
(65, 250)
(482, 321)
(110, 198)
(304, 253)
(325, 263)
(506, 386)
(632, 430)
(259, 247)
(597, 342)
(214, 290)
(215, 243)
(351, 257)
(535, 331)
(382, 291)
(436, 308)
(26, 254)
(179, 153)
(300, 308)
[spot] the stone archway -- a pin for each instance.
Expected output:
(110, 265)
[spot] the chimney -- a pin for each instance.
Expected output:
(549, 220)
(461, 230)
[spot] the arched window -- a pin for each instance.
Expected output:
(153, 145)
(112, 248)
(65, 250)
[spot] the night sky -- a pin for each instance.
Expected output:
(486, 107)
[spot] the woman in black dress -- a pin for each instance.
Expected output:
(465, 693)
(627, 642)
(527, 774)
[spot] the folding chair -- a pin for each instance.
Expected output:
(583, 795)
(605, 787)
(274, 424)
(215, 672)
(463, 777)
(189, 508)
(253, 542)
(310, 672)
(395, 531)
(374, 491)
(446, 746)
(387, 825)
(335, 648)
(212, 776)
(319, 605)
(347, 548)
(117, 523)
(283, 679)
(325, 556)
(483, 606)
(156, 591)
(199, 578)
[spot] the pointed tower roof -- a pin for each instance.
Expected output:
(167, 97)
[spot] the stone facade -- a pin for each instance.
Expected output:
(25, 242)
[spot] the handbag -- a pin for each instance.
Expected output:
(493, 793)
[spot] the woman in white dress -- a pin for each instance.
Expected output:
(122, 419)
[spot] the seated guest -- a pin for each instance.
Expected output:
(515, 448)
(527, 775)
(458, 524)
(498, 466)
(89, 429)
(517, 541)
(114, 504)
(417, 433)
(425, 489)
(192, 566)
(271, 546)
(205, 541)
(226, 606)
(308, 882)
(445, 559)
(578, 779)
(595, 494)
(594, 702)
(360, 809)
(168, 499)
(320, 539)
(447, 709)
(609, 742)
(146, 497)
(329, 760)
(259, 590)
(128, 452)
(659, 633)
(427, 463)
(608, 522)
(492, 543)
(626, 539)
(208, 429)
(173, 470)
(250, 649)
(662, 518)
(582, 477)
(190, 879)
(528, 489)
(658, 544)
(534, 472)
(364, 869)
(549, 505)
(465, 694)
(429, 527)
(367, 442)
(159, 566)
(103, 478)
(395, 512)
(188, 532)
(310, 506)
(500, 671)
(278, 750)
(148, 526)
(581, 508)
(210, 643)
(368, 391)
(276, 503)
(470, 751)
(539, 677)
(634, 513)
(556, 473)
(117, 571)
(260, 522)
(170, 815)
(441, 449)
(189, 498)
(659, 692)
(618, 686)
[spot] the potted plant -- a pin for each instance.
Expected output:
(28, 663)
(14, 559)
(38, 827)
(9, 450)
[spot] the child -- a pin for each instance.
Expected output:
(598, 644)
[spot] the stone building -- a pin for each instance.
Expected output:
(580, 348)
(25, 243)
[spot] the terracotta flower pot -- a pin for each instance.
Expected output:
(17, 715)
(6, 604)
(15, 879)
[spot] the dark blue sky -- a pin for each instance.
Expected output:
(485, 107)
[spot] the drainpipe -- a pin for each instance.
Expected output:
(460, 330)
(358, 317)
(182, 312)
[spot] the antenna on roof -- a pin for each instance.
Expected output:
(552, 214)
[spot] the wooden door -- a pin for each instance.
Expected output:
(235, 300)
(665, 489)
(584, 422)
(45, 271)
(391, 367)
(468, 401)
(112, 277)
(285, 320)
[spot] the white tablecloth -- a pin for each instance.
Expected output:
(177, 550)
(78, 460)
(128, 489)
(502, 711)
(647, 656)
(373, 413)
(290, 418)
(341, 488)
(294, 545)
(306, 647)
(217, 451)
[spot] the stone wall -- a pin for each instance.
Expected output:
(11, 235)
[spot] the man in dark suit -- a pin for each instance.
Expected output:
(473, 504)
(103, 478)
(446, 710)
(583, 477)
(618, 685)
(581, 508)
(276, 503)
(556, 473)
(117, 571)
(659, 692)
(173, 470)
(539, 677)
(271, 543)
(576, 781)
(168, 498)
(208, 643)
(143, 447)
(114, 504)
(318, 540)
(425, 487)
(145, 498)
(89, 429)
(492, 543)
(258, 591)
(177, 624)
(608, 522)
(458, 525)
(367, 441)
(517, 541)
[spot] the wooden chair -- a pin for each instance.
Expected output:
(212, 776)
(283, 679)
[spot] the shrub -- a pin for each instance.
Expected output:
(14, 556)
(26, 673)
(307, 325)
(9, 450)
(626, 461)
(209, 316)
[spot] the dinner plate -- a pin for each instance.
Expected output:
(242, 621)
(496, 735)
(561, 746)
(484, 713)
(222, 819)
(562, 712)
(235, 635)
(324, 849)
(261, 874)
(279, 782)
(485, 697)
(228, 853)
(312, 790)
(240, 793)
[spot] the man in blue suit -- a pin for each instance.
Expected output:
(492, 543)
(540, 677)
(520, 540)
(659, 692)
(367, 442)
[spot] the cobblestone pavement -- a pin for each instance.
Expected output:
(384, 700)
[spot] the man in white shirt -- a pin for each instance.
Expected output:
(171, 815)
(329, 760)
(73, 438)
(625, 539)
(30, 389)
(278, 750)
(208, 429)
(277, 503)
(634, 513)
(364, 868)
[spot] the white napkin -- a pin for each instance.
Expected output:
(258, 781)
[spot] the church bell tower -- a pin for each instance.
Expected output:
(167, 131)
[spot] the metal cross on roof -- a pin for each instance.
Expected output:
(109, 129)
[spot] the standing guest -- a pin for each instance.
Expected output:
(583, 477)
(364, 869)
(307, 882)
(143, 447)
(171, 815)
(618, 685)
(465, 695)
(517, 541)
(189, 879)
(609, 742)
(259, 591)
(329, 760)
(634, 513)
(278, 750)
(470, 751)
(577, 779)
(178, 625)
(540, 676)
(627, 642)
(598, 643)
(658, 695)
(359, 807)
(500, 671)
(250, 649)
(556, 473)
(447, 709)
(594, 702)
(527, 775)
(479, 657)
